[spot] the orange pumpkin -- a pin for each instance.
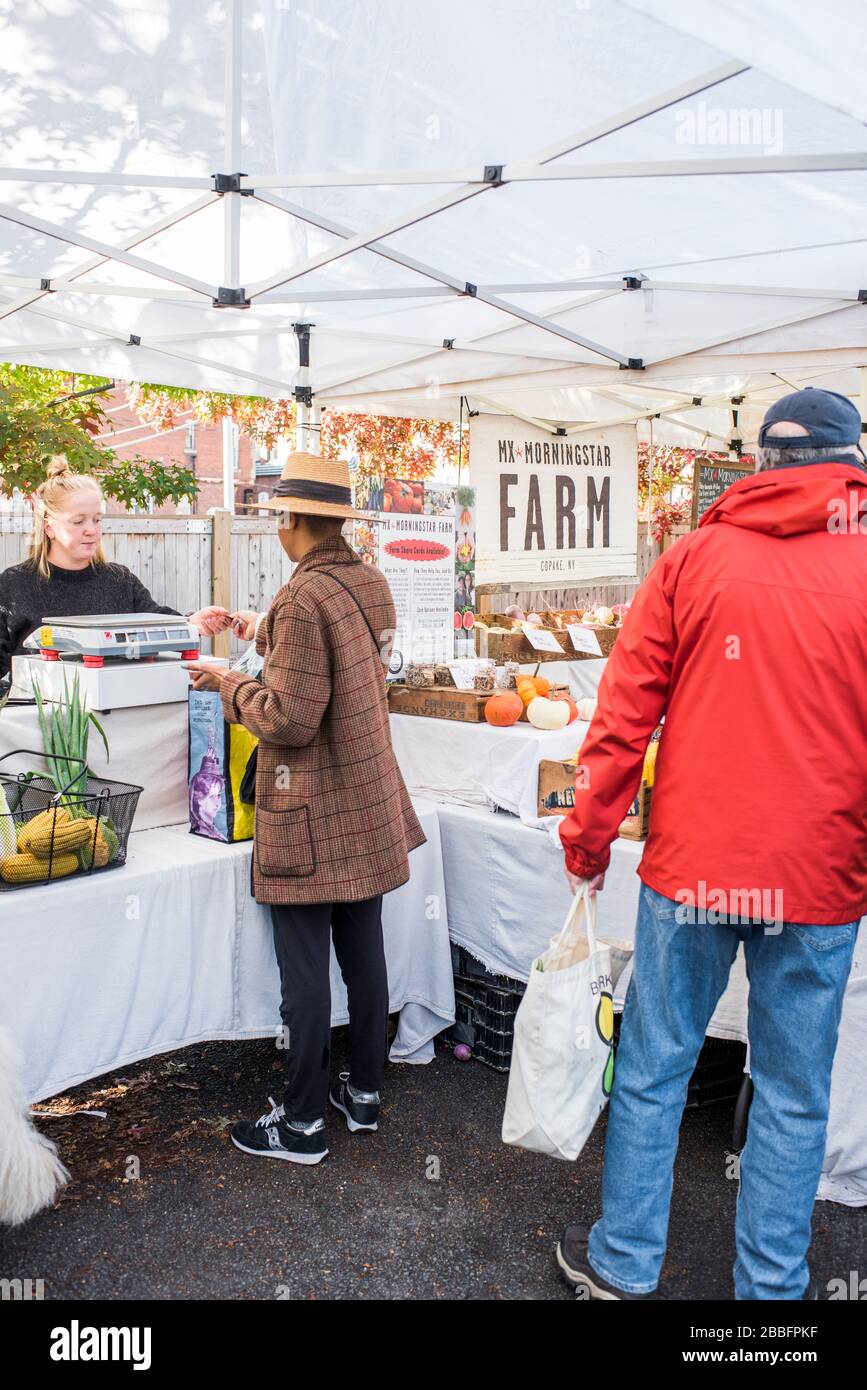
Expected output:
(543, 687)
(503, 710)
(527, 690)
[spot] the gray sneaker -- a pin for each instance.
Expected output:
(361, 1108)
(273, 1136)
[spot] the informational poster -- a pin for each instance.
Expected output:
(422, 536)
(411, 538)
(417, 557)
(553, 509)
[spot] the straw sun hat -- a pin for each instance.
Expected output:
(313, 485)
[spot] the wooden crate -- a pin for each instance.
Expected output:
(556, 787)
(446, 702)
(503, 644)
(637, 822)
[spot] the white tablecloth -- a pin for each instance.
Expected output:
(508, 896)
(582, 677)
(172, 950)
(476, 764)
(148, 747)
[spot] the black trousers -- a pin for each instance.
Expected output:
(302, 940)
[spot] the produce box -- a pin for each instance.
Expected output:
(506, 641)
(637, 822)
(444, 702)
(556, 787)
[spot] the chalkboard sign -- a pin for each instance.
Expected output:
(710, 481)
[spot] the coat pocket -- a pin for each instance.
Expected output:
(283, 842)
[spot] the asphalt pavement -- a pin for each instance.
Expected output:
(433, 1206)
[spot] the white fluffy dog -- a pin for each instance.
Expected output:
(31, 1174)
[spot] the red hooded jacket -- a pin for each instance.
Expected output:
(750, 636)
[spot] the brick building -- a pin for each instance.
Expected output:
(196, 446)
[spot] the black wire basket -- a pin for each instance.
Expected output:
(51, 833)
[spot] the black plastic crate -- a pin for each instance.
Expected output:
(492, 1046)
(485, 1009)
(466, 967)
(718, 1073)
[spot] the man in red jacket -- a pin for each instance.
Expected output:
(750, 637)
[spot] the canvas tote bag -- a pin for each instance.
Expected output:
(562, 1065)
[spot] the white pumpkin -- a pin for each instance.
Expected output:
(548, 714)
(586, 708)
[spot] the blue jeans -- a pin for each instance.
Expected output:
(797, 980)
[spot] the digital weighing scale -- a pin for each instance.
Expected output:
(122, 659)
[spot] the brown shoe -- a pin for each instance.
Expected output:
(580, 1275)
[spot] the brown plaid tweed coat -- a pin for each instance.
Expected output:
(334, 822)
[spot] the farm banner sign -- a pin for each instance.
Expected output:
(553, 509)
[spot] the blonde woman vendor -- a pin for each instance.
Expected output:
(67, 573)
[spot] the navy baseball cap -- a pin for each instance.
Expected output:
(831, 420)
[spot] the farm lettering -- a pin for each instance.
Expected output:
(597, 506)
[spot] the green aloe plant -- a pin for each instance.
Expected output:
(65, 731)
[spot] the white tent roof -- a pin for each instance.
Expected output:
(575, 212)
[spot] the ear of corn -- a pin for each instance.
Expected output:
(650, 763)
(111, 837)
(97, 858)
(43, 824)
(65, 837)
(43, 836)
(26, 868)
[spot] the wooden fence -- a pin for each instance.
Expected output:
(185, 562)
(189, 562)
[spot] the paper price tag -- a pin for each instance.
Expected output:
(584, 639)
(541, 638)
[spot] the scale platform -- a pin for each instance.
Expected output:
(122, 659)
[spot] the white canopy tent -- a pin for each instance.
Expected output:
(574, 213)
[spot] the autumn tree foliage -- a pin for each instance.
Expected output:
(43, 413)
(389, 446)
(665, 484)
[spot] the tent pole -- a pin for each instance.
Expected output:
(232, 145)
(314, 446)
(231, 207)
(229, 464)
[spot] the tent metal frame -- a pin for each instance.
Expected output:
(462, 184)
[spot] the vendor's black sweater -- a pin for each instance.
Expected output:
(26, 598)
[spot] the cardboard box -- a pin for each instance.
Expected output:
(637, 822)
(556, 787)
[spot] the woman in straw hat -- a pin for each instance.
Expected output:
(334, 822)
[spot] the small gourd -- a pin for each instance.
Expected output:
(548, 714)
(567, 700)
(526, 689)
(503, 710)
